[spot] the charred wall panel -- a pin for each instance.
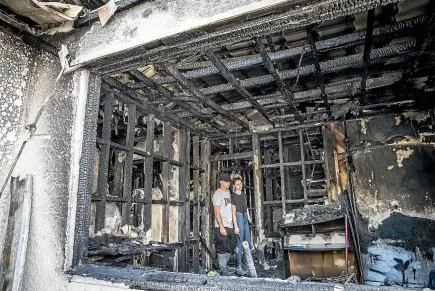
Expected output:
(394, 179)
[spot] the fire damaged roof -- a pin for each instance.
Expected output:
(280, 73)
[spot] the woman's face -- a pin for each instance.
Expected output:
(238, 185)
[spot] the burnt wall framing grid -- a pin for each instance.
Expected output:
(148, 156)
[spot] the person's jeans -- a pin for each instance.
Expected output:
(244, 235)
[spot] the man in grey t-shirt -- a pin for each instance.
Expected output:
(223, 224)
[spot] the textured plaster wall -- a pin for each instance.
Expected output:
(27, 77)
(15, 62)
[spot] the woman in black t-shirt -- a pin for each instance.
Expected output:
(241, 219)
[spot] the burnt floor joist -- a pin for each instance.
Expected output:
(204, 99)
(231, 79)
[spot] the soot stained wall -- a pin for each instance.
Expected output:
(394, 184)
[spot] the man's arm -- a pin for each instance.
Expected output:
(217, 214)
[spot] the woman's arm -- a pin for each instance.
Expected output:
(236, 227)
(247, 210)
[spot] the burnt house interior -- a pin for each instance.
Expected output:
(330, 125)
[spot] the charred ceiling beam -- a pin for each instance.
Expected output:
(331, 66)
(206, 68)
(275, 23)
(142, 103)
(336, 90)
(170, 97)
(286, 92)
(367, 50)
(422, 43)
(231, 79)
(205, 100)
(312, 36)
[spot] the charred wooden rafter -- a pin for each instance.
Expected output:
(205, 100)
(336, 90)
(170, 96)
(275, 23)
(231, 79)
(206, 68)
(422, 43)
(286, 92)
(330, 66)
(367, 50)
(142, 103)
(312, 35)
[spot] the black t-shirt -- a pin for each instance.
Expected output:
(239, 201)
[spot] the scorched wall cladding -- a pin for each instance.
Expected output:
(394, 182)
(27, 77)
(15, 62)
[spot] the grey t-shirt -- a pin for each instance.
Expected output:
(223, 200)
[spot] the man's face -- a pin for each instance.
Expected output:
(225, 185)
